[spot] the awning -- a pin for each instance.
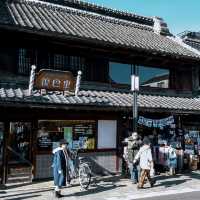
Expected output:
(100, 99)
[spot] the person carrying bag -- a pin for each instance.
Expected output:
(146, 163)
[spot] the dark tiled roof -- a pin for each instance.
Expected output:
(83, 5)
(191, 38)
(70, 23)
(195, 43)
(98, 98)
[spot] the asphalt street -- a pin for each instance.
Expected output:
(185, 196)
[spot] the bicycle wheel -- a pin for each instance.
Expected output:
(84, 176)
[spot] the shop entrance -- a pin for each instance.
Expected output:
(1, 150)
(18, 151)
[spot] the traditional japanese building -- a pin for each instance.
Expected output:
(107, 46)
(191, 38)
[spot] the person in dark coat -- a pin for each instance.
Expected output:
(134, 144)
(59, 167)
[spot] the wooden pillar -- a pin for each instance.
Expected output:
(195, 79)
(5, 151)
(34, 144)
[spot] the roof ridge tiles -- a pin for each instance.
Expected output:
(85, 13)
(102, 10)
(180, 42)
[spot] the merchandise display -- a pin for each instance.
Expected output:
(183, 141)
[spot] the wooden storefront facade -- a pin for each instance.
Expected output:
(107, 46)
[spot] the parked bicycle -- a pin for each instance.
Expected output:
(80, 168)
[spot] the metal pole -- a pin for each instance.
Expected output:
(135, 111)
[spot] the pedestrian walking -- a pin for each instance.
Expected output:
(133, 147)
(172, 160)
(59, 167)
(144, 156)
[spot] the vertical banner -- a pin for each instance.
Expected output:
(68, 136)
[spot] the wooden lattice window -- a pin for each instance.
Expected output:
(66, 62)
(26, 58)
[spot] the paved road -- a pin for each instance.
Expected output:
(179, 187)
(185, 196)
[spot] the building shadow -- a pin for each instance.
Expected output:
(25, 197)
(25, 193)
(7, 187)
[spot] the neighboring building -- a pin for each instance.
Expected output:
(107, 46)
(191, 38)
(161, 81)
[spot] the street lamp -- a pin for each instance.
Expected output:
(135, 89)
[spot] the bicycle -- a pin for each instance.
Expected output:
(78, 168)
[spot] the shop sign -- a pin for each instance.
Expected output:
(55, 80)
(156, 123)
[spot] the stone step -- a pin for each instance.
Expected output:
(19, 170)
(8, 185)
(21, 179)
(20, 174)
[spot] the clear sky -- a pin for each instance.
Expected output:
(180, 15)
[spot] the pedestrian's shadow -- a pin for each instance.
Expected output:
(193, 175)
(96, 189)
(172, 183)
(164, 177)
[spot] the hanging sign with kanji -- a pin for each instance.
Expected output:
(55, 80)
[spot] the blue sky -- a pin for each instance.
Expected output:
(180, 15)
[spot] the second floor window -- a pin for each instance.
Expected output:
(46, 60)
(153, 77)
(26, 58)
(149, 76)
(66, 62)
(120, 73)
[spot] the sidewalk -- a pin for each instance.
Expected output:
(107, 188)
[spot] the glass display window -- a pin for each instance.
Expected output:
(79, 134)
